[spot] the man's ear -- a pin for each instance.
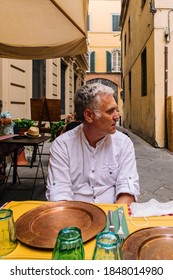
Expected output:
(89, 115)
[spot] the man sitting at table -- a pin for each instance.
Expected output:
(93, 162)
(6, 127)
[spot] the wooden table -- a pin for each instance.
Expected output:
(37, 143)
(26, 252)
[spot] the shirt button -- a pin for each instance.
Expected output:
(94, 197)
(130, 178)
(92, 171)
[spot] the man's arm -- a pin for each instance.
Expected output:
(5, 121)
(125, 198)
(127, 183)
(59, 185)
(6, 118)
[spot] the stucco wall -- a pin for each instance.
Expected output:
(146, 115)
(16, 86)
(16, 83)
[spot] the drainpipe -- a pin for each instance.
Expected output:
(166, 93)
(167, 39)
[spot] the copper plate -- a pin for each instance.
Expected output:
(154, 243)
(39, 227)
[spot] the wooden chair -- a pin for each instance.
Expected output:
(44, 110)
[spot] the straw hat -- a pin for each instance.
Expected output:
(33, 132)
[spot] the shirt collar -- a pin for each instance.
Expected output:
(99, 144)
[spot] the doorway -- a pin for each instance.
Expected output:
(39, 78)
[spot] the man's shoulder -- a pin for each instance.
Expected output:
(120, 135)
(72, 125)
(121, 138)
(70, 134)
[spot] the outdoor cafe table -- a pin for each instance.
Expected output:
(26, 252)
(10, 140)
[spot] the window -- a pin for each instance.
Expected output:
(75, 82)
(129, 31)
(63, 70)
(108, 61)
(125, 44)
(130, 84)
(144, 73)
(113, 61)
(123, 92)
(115, 22)
(90, 57)
(39, 78)
(116, 60)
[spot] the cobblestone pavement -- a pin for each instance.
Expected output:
(155, 168)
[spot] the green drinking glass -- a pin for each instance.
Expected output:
(7, 232)
(69, 245)
(107, 247)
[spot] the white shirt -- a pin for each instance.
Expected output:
(80, 172)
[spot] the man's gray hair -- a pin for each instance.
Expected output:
(88, 97)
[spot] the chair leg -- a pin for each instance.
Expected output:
(3, 166)
(34, 154)
(7, 176)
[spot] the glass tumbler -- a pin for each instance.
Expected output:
(69, 245)
(108, 247)
(7, 232)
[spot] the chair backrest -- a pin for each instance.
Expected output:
(44, 109)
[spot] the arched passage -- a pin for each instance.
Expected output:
(108, 83)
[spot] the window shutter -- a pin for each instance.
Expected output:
(144, 72)
(115, 22)
(108, 62)
(92, 62)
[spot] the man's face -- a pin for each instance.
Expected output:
(109, 115)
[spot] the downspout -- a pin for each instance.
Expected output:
(167, 39)
(166, 93)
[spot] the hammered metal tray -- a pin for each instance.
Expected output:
(154, 243)
(39, 227)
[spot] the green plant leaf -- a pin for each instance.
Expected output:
(24, 123)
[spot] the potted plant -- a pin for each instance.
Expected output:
(56, 129)
(22, 125)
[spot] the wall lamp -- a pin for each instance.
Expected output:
(168, 30)
(153, 10)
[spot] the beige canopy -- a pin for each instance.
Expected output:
(42, 29)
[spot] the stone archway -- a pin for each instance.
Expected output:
(106, 82)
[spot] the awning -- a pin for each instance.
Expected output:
(42, 29)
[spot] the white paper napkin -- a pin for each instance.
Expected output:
(151, 208)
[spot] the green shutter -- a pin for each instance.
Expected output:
(108, 62)
(92, 62)
(115, 22)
